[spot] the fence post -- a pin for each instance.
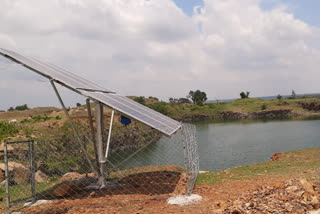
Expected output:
(7, 175)
(32, 169)
(186, 157)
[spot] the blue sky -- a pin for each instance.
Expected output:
(305, 10)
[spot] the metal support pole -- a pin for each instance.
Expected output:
(93, 134)
(109, 135)
(7, 175)
(186, 158)
(32, 170)
(72, 126)
(99, 123)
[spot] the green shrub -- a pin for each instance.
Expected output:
(7, 130)
(22, 108)
(263, 106)
(140, 100)
(39, 118)
(194, 108)
(161, 107)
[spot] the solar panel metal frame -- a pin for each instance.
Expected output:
(126, 106)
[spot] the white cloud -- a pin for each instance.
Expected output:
(152, 48)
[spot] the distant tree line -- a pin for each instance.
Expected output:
(19, 108)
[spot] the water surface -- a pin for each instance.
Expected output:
(225, 145)
(230, 144)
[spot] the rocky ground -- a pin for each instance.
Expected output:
(275, 195)
(293, 196)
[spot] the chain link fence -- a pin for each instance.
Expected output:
(140, 161)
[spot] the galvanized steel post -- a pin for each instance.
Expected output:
(32, 169)
(7, 175)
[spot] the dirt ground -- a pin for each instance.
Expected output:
(212, 194)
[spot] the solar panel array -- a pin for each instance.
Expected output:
(122, 104)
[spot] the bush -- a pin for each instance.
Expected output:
(140, 100)
(161, 107)
(41, 118)
(279, 97)
(244, 95)
(22, 108)
(263, 106)
(7, 130)
(154, 98)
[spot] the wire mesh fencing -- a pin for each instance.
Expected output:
(139, 162)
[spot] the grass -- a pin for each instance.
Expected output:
(295, 164)
(22, 192)
(7, 130)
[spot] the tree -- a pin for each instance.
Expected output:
(279, 97)
(11, 109)
(183, 100)
(78, 104)
(22, 108)
(293, 94)
(173, 100)
(244, 95)
(198, 97)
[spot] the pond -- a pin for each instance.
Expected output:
(229, 144)
(226, 145)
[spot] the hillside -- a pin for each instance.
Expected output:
(36, 122)
(251, 108)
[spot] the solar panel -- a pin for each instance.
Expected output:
(53, 72)
(82, 86)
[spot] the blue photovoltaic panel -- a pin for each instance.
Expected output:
(122, 104)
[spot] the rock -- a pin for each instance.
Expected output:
(315, 202)
(86, 181)
(18, 173)
(237, 211)
(70, 188)
(307, 186)
(184, 200)
(67, 189)
(37, 203)
(284, 197)
(292, 188)
(13, 121)
(314, 212)
(70, 176)
(2, 176)
(40, 177)
(223, 205)
(10, 148)
(249, 204)
(276, 156)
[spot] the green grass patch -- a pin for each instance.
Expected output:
(7, 130)
(295, 164)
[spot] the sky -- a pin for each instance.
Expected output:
(162, 48)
